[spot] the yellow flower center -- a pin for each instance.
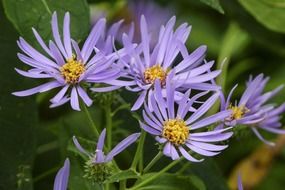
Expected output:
(72, 70)
(175, 131)
(153, 73)
(238, 112)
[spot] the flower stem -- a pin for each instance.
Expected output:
(153, 161)
(139, 152)
(156, 175)
(46, 174)
(92, 123)
(109, 126)
(123, 185)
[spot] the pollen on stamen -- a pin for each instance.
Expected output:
(175, 131)
(238, 112)
(72, 70)
(153, 73)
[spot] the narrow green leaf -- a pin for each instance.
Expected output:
(122, 175)
(174, 181)
(270, 13)
(215, 4)
(26, 14)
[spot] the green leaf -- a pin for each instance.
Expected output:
(26, 14)
(122, 175)
(215, 4)
(173, 182)
(18, 117)
(270, 13)
(209, 172)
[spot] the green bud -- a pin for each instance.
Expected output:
(97, 172)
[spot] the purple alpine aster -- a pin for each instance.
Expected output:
(67, 66)
(61, 179)
(144, 65)
(251, 110)
(176, 130)
(98, 157)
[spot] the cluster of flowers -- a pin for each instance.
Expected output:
(175, 88)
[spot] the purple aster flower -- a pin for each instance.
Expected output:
(252, 109)
(98, 157)
(176, 129)
(61, 179)
(67, 66)
(144, 65)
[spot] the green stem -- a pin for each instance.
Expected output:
(153, 161)
(123, 185)
(109, 126)
(139, 152)
(92, 123)
(156, 175)
(45, 174)
(184, 167)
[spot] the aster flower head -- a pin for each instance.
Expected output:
(61, 179)
(67, 66)
(176, 130)
(252, 110)
(99, 156)
(144, 65)
(98, 167)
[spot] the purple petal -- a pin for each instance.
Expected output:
(42, 88)
(74, 99)
(32, 74)
(207, 146)
(84, 96)
(201, 151)
(212, 138)
(188, 156)
(150, 122)
(150, 129)
(174, 153)
(60, 94)
(203, 109)
(101, 140)
(79, 147)
(122, 145)
(92, 39)
(41, 42)
(66, 35)
(60, 102)
(240, 187)
(56, 35)
(159, 99)
(105, 89)
(56, 54)
(145, 40)
(273, 130)
(167, 149)
(211, 119)
(61, 179)
(139, 101)
(196, 56)
(250, 90)
(261, 138)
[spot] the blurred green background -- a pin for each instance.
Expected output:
(34, 139)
